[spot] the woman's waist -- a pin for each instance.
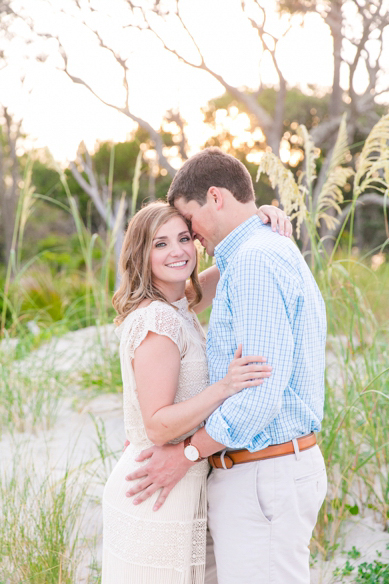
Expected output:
(137, 436)
(133, 451)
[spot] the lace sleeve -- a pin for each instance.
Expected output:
(159, 318)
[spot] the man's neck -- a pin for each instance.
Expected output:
(237, 215)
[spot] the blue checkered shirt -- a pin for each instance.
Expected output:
(268, 300)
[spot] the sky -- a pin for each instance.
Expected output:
(59, 114)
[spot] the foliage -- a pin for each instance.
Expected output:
(38, 534)
(375, 572)
(354, 438)
(292, 197)
(64, 295)
(331, 195)
(297, 197)
(106, 377)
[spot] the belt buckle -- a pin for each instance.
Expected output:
(223, 462)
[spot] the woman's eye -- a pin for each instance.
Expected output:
(186, 238)
(160, 244)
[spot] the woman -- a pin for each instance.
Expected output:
(166, 398)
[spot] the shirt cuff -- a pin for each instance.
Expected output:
(220, 431)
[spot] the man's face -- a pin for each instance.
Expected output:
(203, 220)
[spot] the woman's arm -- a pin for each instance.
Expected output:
(157, 386)
(277, 218)
(208, 281)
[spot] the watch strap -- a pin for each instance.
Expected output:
(187, 442)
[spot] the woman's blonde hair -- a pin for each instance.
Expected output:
(134, 263)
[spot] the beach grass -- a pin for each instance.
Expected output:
(41, 537)
(39, 530)
(355, 433)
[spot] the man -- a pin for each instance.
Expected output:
(269, 481)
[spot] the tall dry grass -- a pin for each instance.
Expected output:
(355, 432)
(41, 535)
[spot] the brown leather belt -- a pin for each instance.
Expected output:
(232, 457)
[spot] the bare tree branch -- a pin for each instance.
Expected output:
(274, 133)
(124, 109)
(248, 100)
(113, 219)
(175, 117)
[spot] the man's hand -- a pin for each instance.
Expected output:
(167, 465)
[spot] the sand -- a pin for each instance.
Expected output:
(73, 442)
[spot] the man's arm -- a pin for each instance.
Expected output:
(263, 299)
(166, 467)
(167, 463)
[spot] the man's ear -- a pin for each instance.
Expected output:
(215, 198)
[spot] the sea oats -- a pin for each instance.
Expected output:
(311, 154)
(331, 195)
(373, 163)
(292, 197)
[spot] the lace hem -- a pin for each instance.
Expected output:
(169, 544)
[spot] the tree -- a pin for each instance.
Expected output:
(358, 29)
(372, 19)
(112, 212)
(10, 177)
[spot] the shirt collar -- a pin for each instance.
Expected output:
(227, 248)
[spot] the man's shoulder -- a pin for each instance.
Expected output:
(268, 248)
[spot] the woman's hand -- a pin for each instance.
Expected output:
(245, 372)
(277, 218)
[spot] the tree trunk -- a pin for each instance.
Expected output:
(334, 21)
(118, 242)
(9, 179)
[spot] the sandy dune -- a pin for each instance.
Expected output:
(73, 442)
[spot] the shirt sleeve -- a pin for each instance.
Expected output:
(262, 300)
(159, 318)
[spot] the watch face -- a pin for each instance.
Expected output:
(191, 453)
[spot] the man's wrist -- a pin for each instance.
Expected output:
(191, 452)
(205, 444)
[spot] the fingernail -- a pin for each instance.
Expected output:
(155, 508)
(135, 502)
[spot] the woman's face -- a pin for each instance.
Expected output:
(173, 253)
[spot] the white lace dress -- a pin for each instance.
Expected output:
(142, 546)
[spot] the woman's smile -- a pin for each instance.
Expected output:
(181, 264)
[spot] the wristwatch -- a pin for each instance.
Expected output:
(191, 452)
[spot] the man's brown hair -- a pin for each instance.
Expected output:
(211, 168)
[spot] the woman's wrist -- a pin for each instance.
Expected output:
(222, 390)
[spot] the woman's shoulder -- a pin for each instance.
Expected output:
(150, 313)
(147, 307)
(156, 316)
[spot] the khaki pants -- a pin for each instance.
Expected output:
(261, 516)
